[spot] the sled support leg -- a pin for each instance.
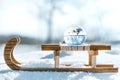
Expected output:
(92, 58)
(56, 58)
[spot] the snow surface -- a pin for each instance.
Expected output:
(32, 56)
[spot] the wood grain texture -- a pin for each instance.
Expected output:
(8, 53)
(94, 70)
(75, 48)
(9, 49)
(100, 47)
(102, 65)
(50, 47)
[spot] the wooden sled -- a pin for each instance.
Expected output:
(15, 65)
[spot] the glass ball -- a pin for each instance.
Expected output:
(75, 36)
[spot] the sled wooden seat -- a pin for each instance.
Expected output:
(92, 50)
(15, 65)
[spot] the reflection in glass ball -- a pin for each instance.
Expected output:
(75, 36)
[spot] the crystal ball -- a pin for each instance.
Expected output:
(75, 36)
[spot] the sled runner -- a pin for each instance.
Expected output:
(92, 49)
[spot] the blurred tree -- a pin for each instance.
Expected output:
(46, 12)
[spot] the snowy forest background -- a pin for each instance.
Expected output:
(45, 21)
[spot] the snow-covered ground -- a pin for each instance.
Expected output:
(32, 56)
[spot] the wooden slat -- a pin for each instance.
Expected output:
(50, 47)
(9, 46)
(96, 70)
(100, 47)
(71, 48)
(102, 65)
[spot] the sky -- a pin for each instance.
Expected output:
(99, 17)
(15, 19)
